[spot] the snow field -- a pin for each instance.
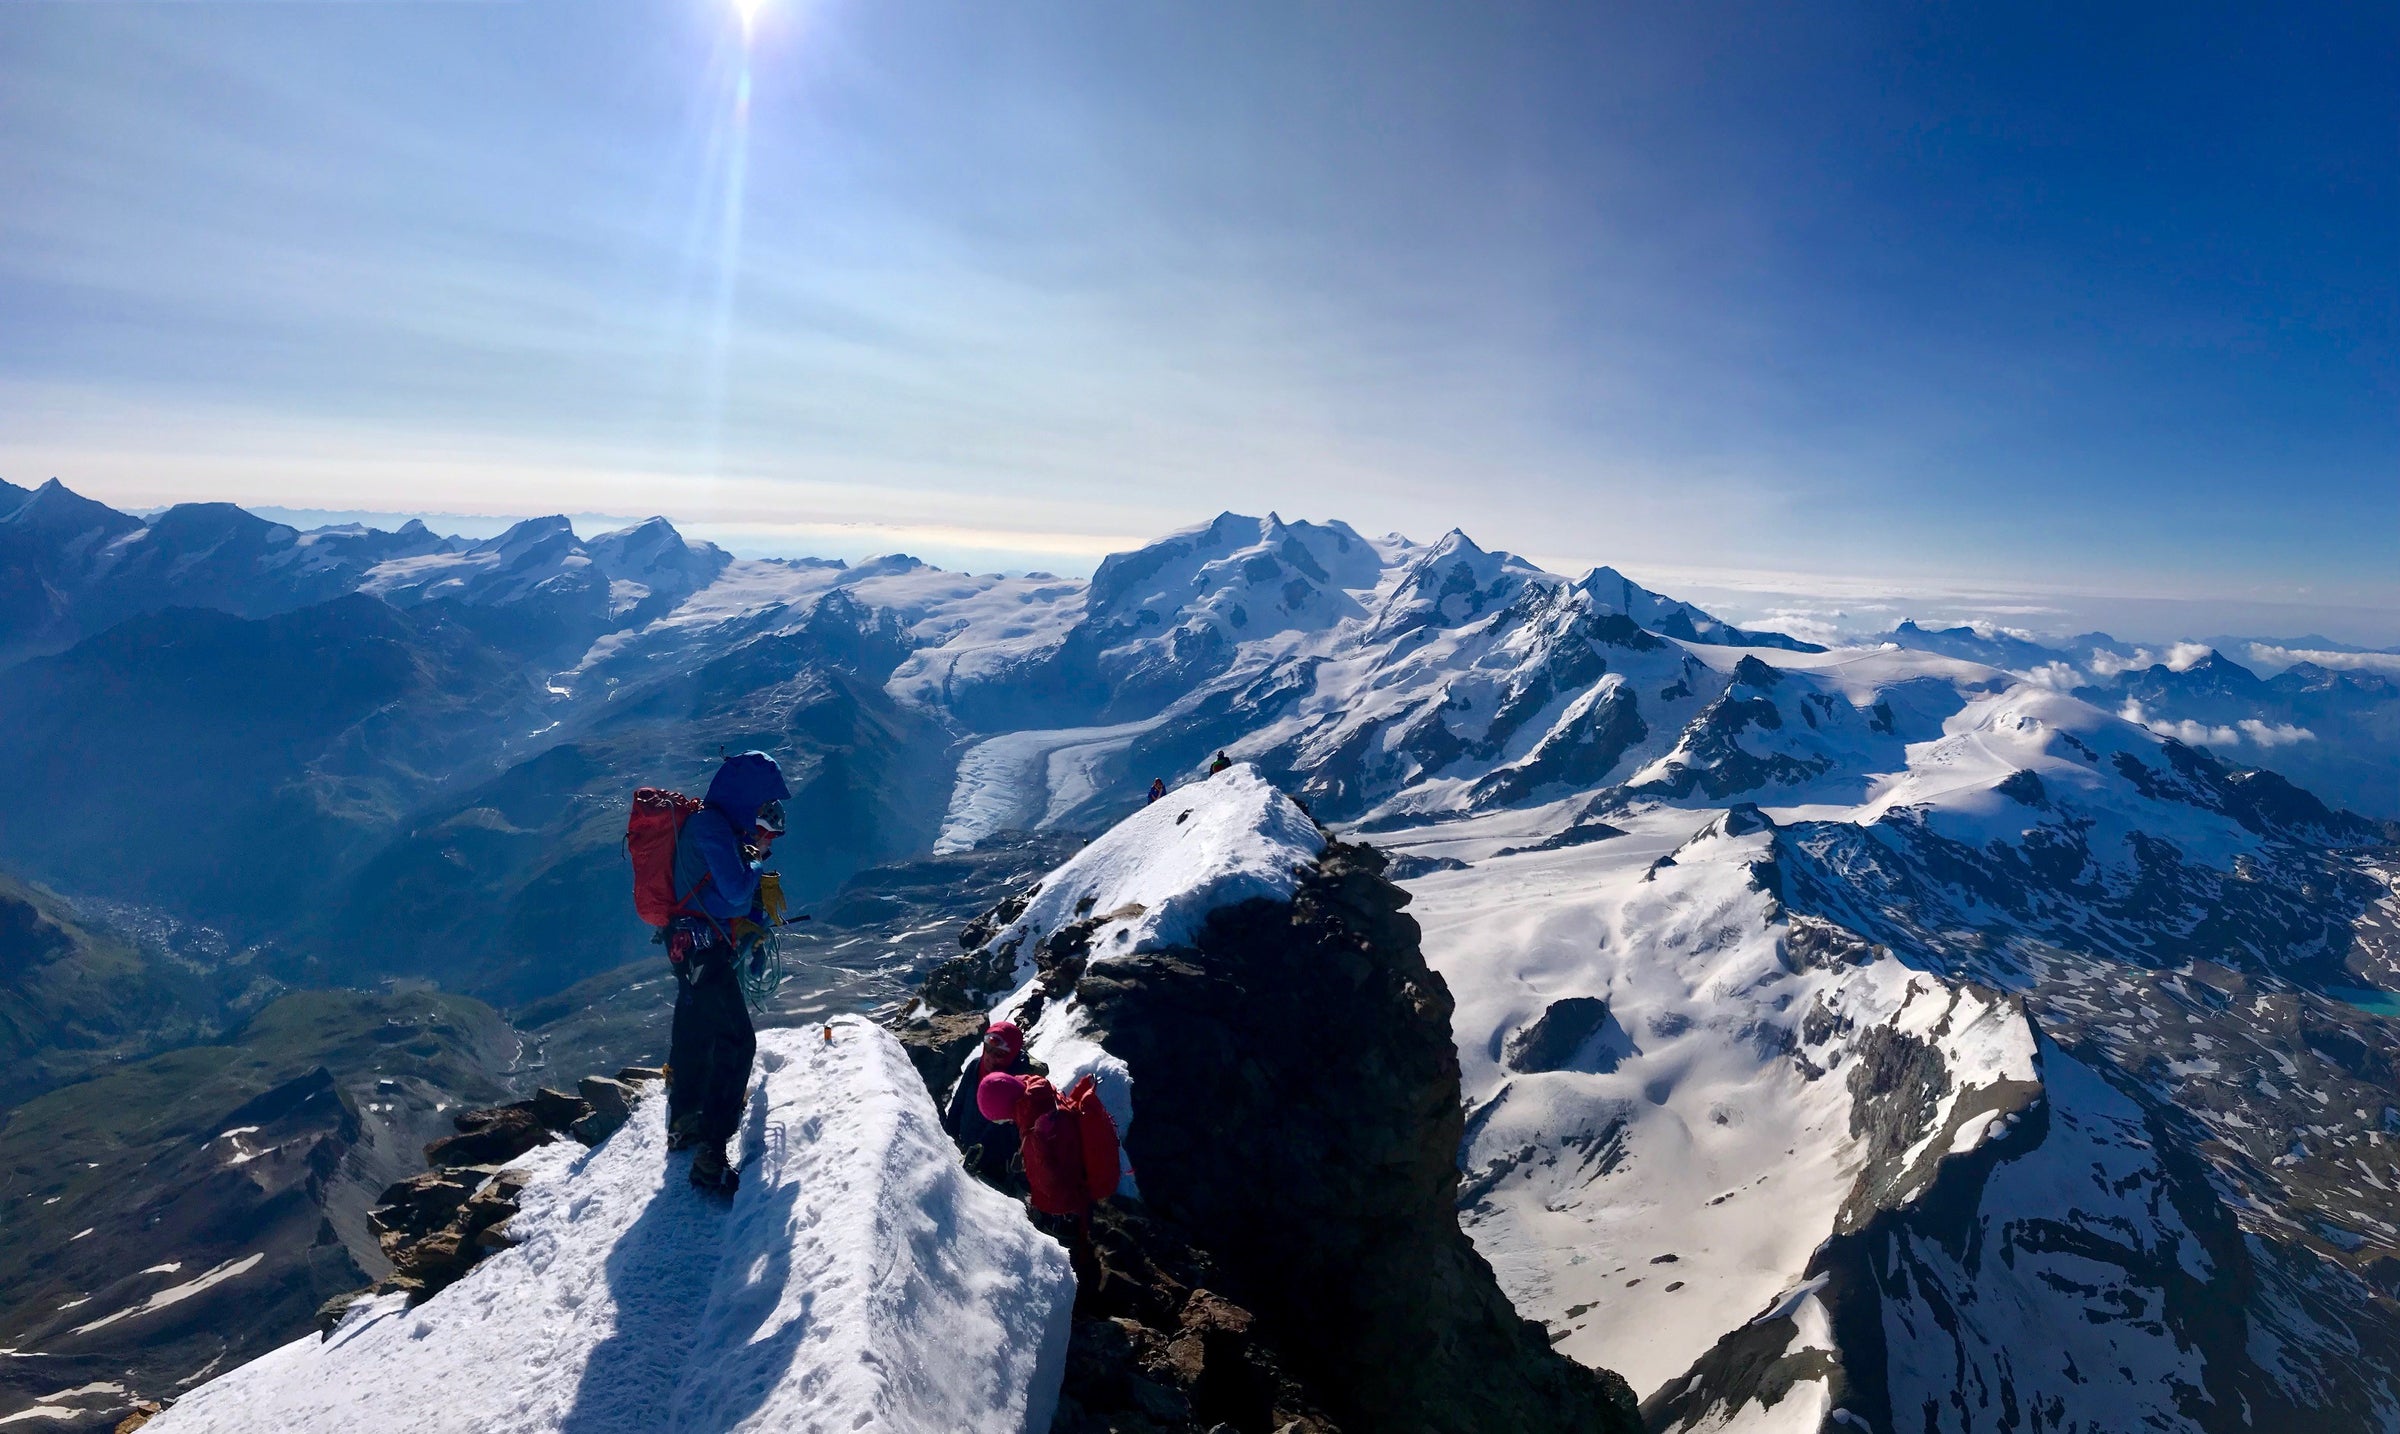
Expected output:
(1683, 1129)
(860, 1280)
(1677, 1136)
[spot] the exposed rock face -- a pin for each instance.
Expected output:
(1556, 1036)
(1299, 1116)
(436, 1226)
(1161, 1343)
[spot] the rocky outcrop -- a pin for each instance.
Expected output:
(1554, 1039)
(1299, 1114)
(436, 1226)
(1161, 1343)
(1295, 1258)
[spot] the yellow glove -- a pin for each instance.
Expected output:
(744, 932)
(770, 897)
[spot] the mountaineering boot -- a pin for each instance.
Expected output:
(684, 1132)
(712, 1174)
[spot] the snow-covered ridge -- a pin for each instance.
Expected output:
(1153, 878)
(861, 1280)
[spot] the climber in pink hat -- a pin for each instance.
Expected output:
(988, 1144)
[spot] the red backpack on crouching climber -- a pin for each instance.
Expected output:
(1069, 1141)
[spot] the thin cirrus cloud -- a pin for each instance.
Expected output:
(1826, 303)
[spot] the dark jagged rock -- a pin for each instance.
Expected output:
(1299, 1117)
(937, 1046)
(436, 1226)
(1298, 1260)
(1162, 1342)
(1557, 1036)
(610, 1103)
(488, 1137)
(1411, 866)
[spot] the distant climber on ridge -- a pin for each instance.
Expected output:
(1158, 788)
(989, 1145)
(1220, 763)
(719, 858)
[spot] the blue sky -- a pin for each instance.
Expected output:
(2017, 299)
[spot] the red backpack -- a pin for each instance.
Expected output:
(650, 833)
(1071, 1149)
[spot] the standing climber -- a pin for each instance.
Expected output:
(988, 1144)
(1158, 788)
(1220, 763)
(720, 857)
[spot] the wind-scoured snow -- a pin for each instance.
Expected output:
(860, 1280)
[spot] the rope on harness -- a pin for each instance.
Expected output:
(760, 967)
(759, 964)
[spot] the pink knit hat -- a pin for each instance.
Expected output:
(997, 1096)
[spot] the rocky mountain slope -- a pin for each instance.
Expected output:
(178, 1216)
(75, 998)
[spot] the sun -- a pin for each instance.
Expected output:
(748, 10)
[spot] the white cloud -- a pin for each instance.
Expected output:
(2106, 664)
(1827, 629)
(2200, 734)
(2274, 734)
(2275, 658)
(2057, 676)
(2184, 656)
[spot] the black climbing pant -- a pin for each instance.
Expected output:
(711, 1046)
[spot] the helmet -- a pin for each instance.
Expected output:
(770, 818)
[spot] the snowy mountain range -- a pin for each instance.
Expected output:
(1960, 1032)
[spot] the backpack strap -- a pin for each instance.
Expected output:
(683, 903)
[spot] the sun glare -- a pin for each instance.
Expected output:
(748, 10)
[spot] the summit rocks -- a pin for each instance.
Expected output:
(1295, 1133)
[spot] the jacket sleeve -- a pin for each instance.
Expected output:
(732, 881)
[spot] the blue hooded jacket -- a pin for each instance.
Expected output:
(712, 838)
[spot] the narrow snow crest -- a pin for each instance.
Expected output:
(1153, 879)
(861, 1280)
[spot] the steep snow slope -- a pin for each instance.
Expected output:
(1652, 1142)
(1761, 1109)
(860, 1280)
